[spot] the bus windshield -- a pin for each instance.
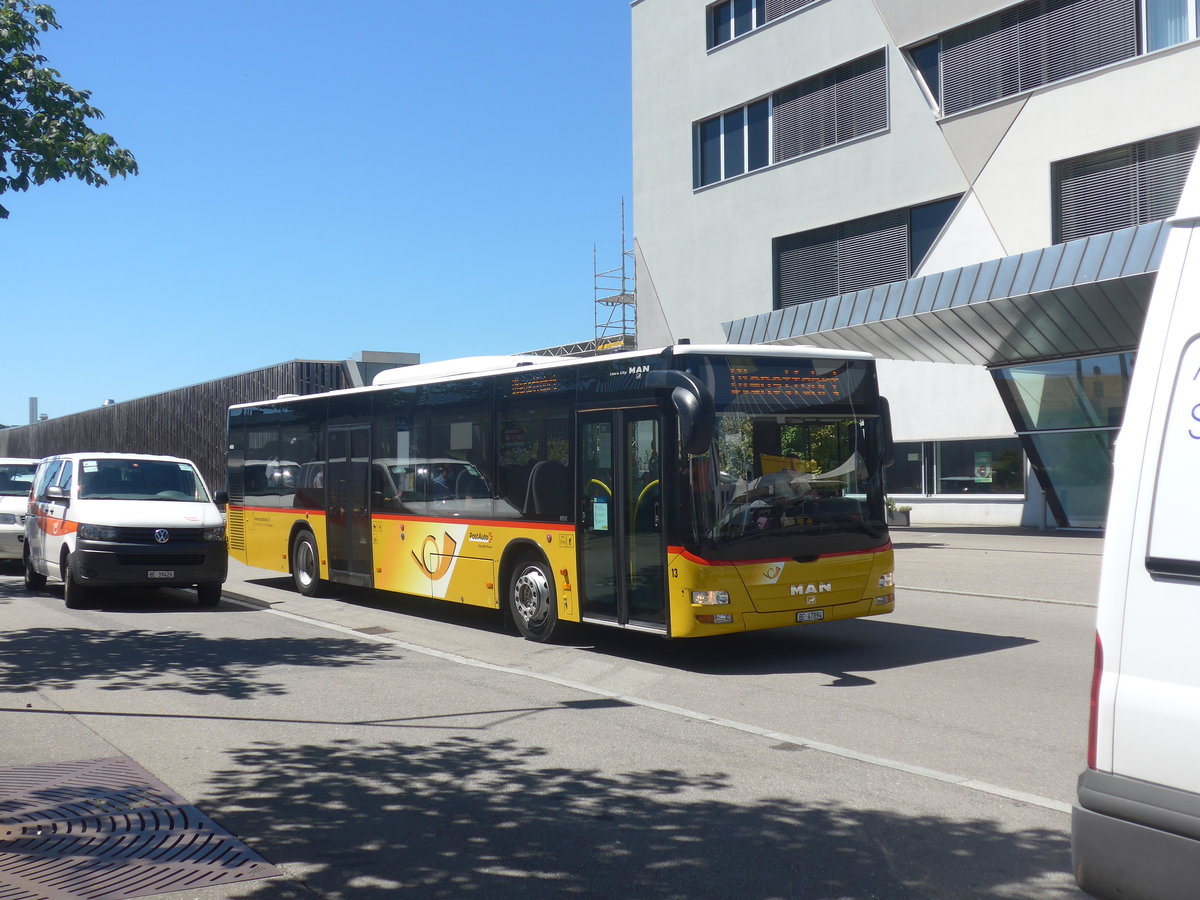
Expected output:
(794, 470)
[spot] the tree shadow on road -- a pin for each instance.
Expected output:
(182, 661)
(469, 817)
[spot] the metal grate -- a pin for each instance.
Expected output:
(106, 829)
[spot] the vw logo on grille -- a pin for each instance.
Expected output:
(162, 535)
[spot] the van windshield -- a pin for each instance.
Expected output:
(16, 479)
(140, 479)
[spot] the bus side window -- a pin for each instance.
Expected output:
(532, 472)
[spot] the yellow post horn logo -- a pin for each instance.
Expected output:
(429, 553)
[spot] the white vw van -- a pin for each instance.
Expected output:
(125, 519)
(16, 478)
(1136, 825)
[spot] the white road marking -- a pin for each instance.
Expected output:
(720, 721)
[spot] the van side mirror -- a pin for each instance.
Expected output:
(54, 492)
(221, 498)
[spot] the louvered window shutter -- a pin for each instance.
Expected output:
(777, 8)
(1096, 193)
(873, 251)
(804, 119)
(1124, 186)
(979, 62)
(842, 258)
(806, 266)
(861, 98)
(835, 106)
(1163, 165)
(1033, 44)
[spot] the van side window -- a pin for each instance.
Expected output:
(66, 476)
(47, 477)
(1173, 550)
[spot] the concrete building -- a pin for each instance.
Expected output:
(972, 190)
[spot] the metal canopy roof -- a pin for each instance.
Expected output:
(1080, 298)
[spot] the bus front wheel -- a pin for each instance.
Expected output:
(531, 599)
(306, 570)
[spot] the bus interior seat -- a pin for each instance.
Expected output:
(469, 487)
(548, 493)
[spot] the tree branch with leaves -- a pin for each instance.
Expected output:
(44, 130)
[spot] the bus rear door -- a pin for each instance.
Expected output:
(621, 552)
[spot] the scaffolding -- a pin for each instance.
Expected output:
(615, 299)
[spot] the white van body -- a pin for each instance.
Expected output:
(124, 519)
(1136, 825)
(16, 478)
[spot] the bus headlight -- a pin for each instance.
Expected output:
(213, 535)
(710, 598)
(886, 580)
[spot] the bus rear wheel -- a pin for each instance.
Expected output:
(306, 570)
(531, 599)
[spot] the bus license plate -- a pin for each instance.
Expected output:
(810, 615)
(161, 573)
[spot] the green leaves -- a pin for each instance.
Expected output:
(44, 130)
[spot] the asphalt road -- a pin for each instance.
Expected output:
(370, 746)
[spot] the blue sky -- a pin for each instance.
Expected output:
(318, 179)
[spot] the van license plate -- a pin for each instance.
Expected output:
(161, 573)
(810, 615)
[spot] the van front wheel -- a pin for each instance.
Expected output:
(75, 595)
(208, 593)
(306, 568)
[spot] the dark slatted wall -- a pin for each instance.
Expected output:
(188, 422)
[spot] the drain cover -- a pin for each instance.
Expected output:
(106, 830)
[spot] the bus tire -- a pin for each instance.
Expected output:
(75, 595)
(34, 580)
(531, 599)
(306, 566)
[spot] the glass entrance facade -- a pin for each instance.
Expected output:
(1067, 413)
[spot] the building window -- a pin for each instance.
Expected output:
(853, 256)
(1026, 46)
(945, 468)
(733, 18)
(1169, 22)
(828, 109)
(1122, 186)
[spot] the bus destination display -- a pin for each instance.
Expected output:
(793, 384)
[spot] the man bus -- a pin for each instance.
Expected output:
(690, 491)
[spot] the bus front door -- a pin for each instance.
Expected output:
(348, 512)
(622, 555)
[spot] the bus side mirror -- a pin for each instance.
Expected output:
(887, 455)
(693, 405)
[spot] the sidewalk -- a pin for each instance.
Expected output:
(1019, 563)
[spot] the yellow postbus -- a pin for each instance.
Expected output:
(689, 491)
